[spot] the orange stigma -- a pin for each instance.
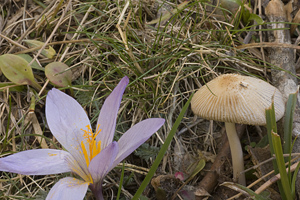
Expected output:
(94, 147)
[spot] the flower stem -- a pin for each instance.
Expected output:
(97, 190)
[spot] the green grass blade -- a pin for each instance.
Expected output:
(121, 182)
(286, 185)
(238, 187)
(293, 184)
(288, 127)
(8, 123)
(271, 126)
(162, 152)
(288, 123)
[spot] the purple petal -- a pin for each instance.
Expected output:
(36, 162)
(108, 114)
(101, 164)
(77, 168)
(136, 136)
(66, 118)
(68, 188)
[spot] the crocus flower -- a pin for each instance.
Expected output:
(91, 155)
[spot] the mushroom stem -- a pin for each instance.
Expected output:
(236, 153)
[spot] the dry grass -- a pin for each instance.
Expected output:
(101, 42)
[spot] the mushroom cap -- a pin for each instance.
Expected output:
(237, 99)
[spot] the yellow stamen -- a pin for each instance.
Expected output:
(94, 147)
(52, 154)
(85, 154)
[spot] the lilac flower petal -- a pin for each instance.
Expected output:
(75, 167)
(101, 164)
(66, 118)
(36, 162)
(68, 188)
(136, 136)
(108, 114)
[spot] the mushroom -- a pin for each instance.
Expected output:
(232, 98)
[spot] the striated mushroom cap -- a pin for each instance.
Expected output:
(237, 99)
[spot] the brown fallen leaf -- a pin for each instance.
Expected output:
(31, 118)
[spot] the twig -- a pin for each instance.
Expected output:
(210, 180)
(274, 179)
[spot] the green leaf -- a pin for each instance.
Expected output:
(17, 70)
(168, 15)
(58, 74)
(256, 18)
(12, 87)
(48, 52)
(34, 65)
(162, 152)
(231, 5)
(198, 168)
